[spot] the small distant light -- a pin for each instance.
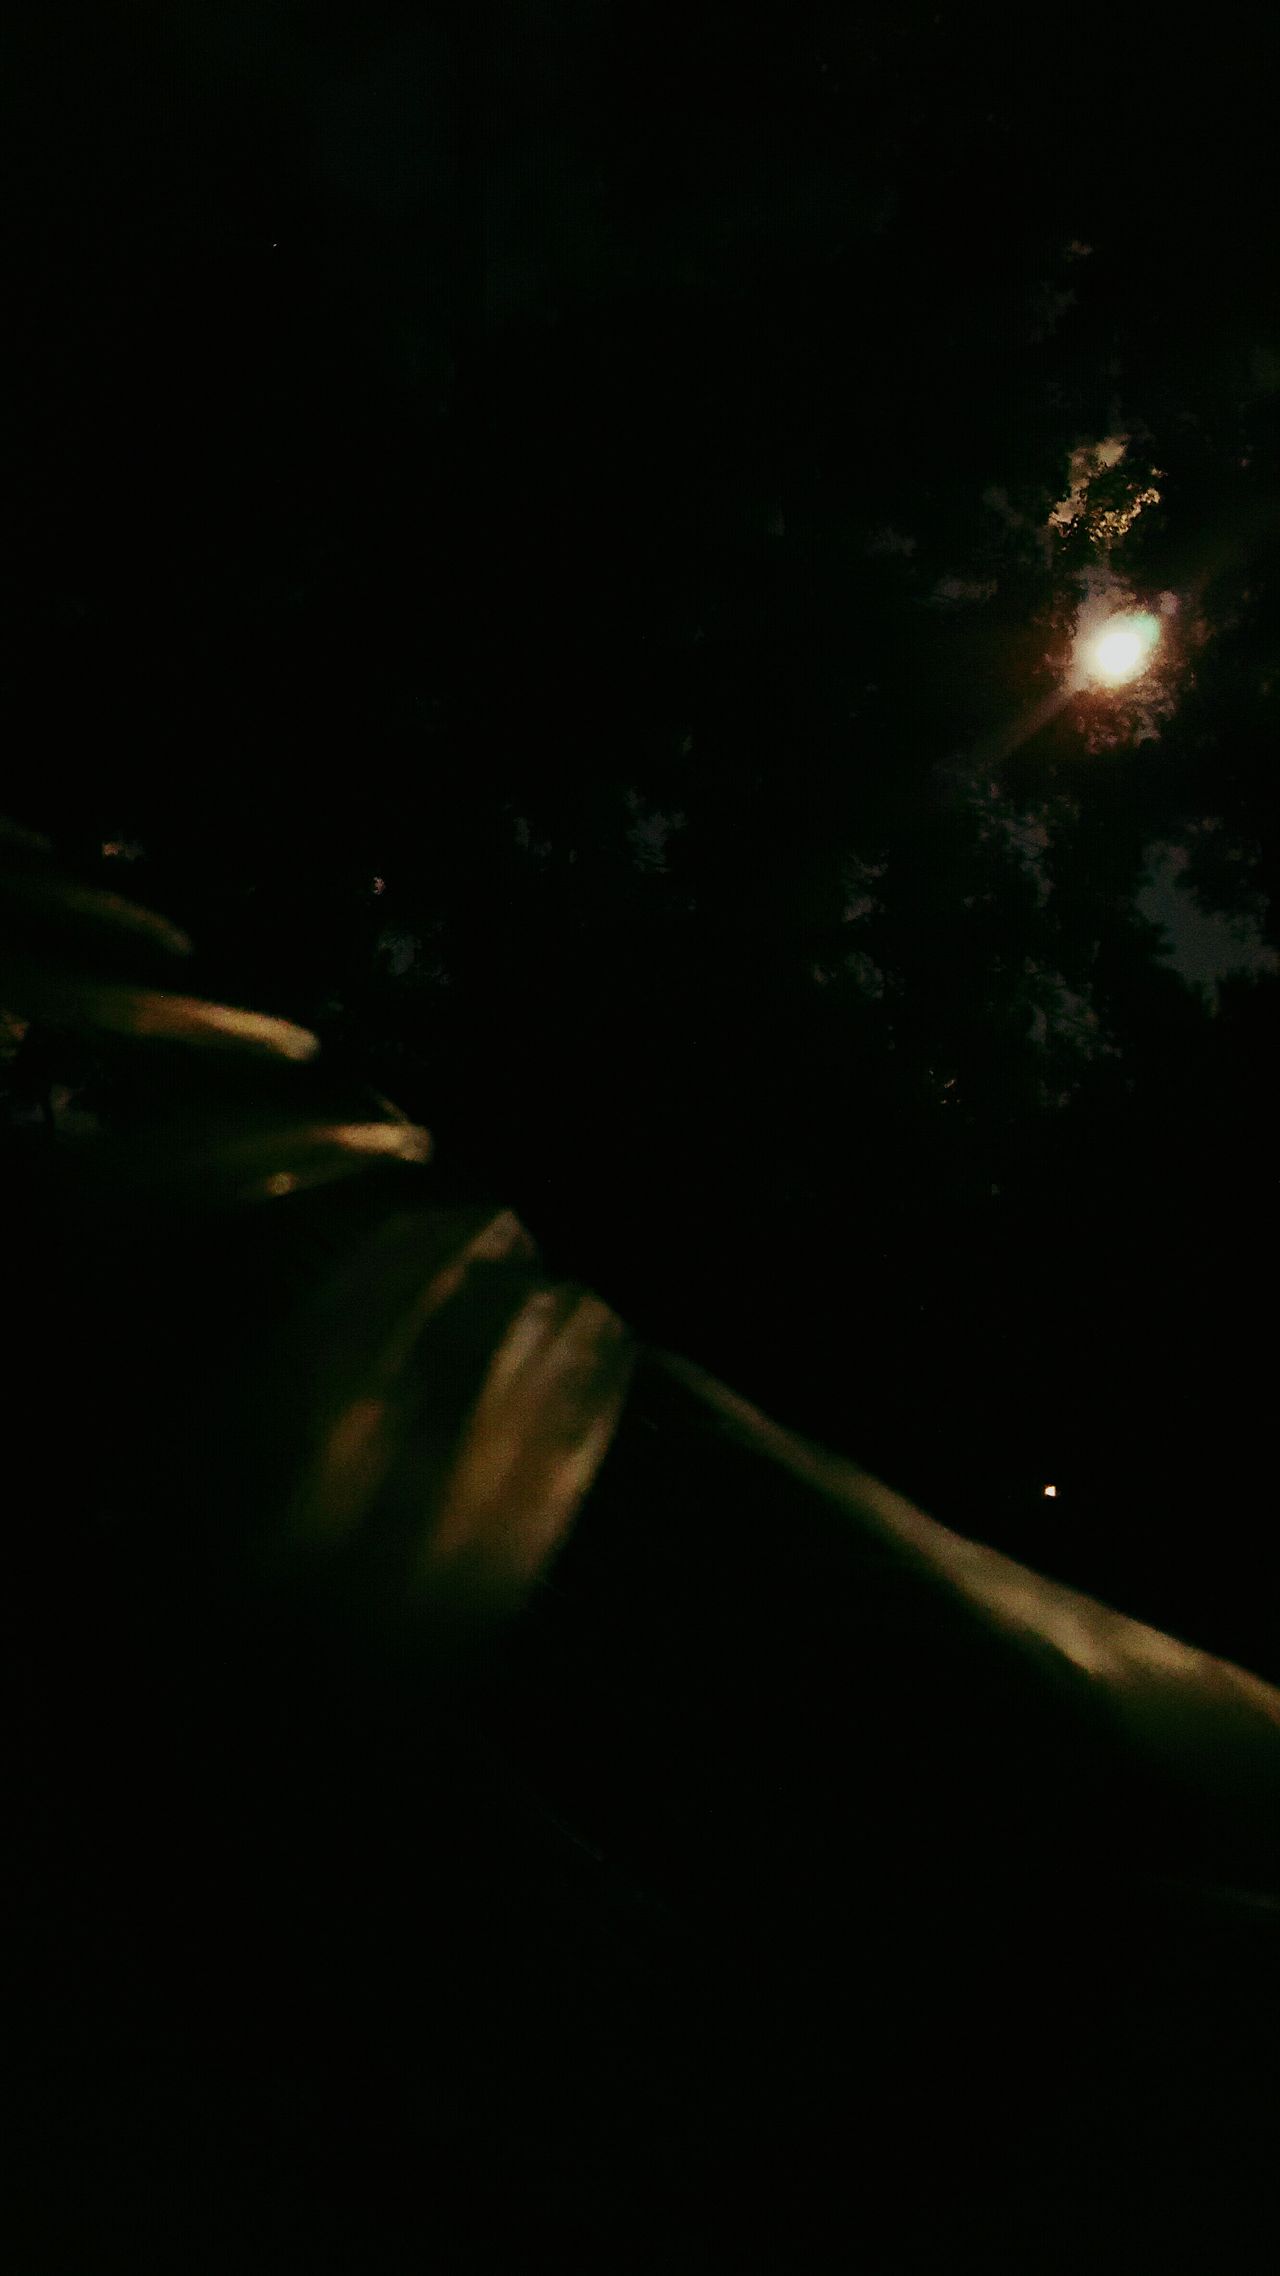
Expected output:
(283, 1182)
(1051, 1493)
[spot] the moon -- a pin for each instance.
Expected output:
(1122, 649)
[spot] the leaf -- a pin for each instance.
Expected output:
(535, 1439)
(461, 1412)
(217, 1165)
(54, 906)
(77, 999)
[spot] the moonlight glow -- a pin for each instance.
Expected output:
(1121, 649)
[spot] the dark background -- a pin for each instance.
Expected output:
(594, 477)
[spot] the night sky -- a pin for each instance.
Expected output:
(698, 599)
(555, 543)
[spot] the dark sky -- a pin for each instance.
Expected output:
(620, 482)
(553, 538)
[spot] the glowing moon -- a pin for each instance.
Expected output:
(1122, 649)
